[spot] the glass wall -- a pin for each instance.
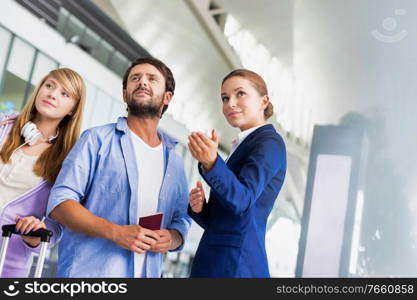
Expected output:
(89, 104)
(16, 75)
(22, 67)
(43, 65)
(100, 107)
(5, 39)
(79, 34)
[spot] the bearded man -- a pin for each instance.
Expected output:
(116, 174)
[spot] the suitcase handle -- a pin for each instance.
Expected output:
(44, 234)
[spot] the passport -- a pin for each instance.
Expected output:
(152, 222)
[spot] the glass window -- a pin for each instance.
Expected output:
(89, 104)
(5, 39)
(103, 52)
(127, 65)
(118, 110)
(21, 59)
(73, 30)
(118, 63)
(89, 41)
(62, 20)
(102, 109)
(43, 65)
(17, 75)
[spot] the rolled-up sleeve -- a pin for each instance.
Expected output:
(76, 172)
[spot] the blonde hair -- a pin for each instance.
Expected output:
(50, 161)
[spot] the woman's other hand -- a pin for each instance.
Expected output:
(197, 198)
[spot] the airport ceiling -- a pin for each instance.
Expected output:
(171, 31)
(266, 20)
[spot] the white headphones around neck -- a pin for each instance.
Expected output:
(32, 134)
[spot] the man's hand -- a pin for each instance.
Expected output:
(165, 242)
(135, 238)
(170, 239)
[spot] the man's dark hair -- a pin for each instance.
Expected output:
(165, 71)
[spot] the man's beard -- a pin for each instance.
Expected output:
(150, 108)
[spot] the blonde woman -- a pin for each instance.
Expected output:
(33, 146)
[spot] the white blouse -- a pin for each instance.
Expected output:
(17, 177)
(240, 138)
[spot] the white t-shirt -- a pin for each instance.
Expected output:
(150, 163)
(17, 177)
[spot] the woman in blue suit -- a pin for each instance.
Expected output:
(243, 188)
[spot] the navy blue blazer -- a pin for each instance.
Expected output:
(242, 195)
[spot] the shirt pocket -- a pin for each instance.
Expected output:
(112, 176)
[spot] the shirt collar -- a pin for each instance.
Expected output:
(242, 135)
(166, 139)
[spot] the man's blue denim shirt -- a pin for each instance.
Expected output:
(100, 173)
